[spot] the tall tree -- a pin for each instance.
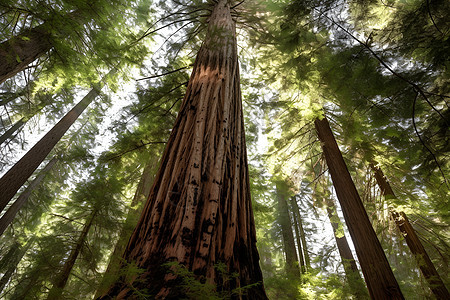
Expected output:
(18, 52)
(412, 240)
(136, 206)
(199, 211)
(296, 212)
(11, 182)
(61, 280)
(298, 238)
(376, 269)
(348, 261)
(12, 260)
(284, 219)
(12, 130)
(9, 215)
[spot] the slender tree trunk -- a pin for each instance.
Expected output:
(298, 239)
(284, 220)
(8, 257)
(412, 240)
(11, 182)
(376, 269)
(136, 206)
(18, 52)
(9, 215)
(5, 263)
(61, 279)
(7, 97)
(351, 270)
(27, 285)
(302, 236)
(12, 130)
(199, 210)
(13, 260)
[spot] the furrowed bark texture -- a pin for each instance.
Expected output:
(61, 279)
(18, 52)
(348, 261)
(424, 262)
(284, 220)
(199, 209)
(9, 215)
(376, 269)
(11, 182)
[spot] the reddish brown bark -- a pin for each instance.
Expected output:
(199, 209)
(9, 215)
(424, 262)
(376, 269)
(61, 279)
(11, 182)
(18, 52)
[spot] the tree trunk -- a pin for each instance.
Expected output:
(9, 133)
(9, 215)
(13, 130)
(377, 272)
(26, 285)
(136, 206)
(302, 236)
(199, 210)
(412, 240)
(298, 239)
(11, 182)
(18, 52)
(7, 97)
(13, 260)
(351, 270)
(61, 279)
(284, 220)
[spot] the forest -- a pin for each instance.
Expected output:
(224, 149)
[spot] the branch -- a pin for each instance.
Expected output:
(234, 6)
(431, 16)
(133, 149)
(414, 85)
(149, 105)
(163, 74)
(68, 219)
(423, 143)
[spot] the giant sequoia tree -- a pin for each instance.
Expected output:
(199, 212)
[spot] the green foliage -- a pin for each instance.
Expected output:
(199, 288)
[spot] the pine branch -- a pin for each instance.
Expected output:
(163, 74)
(133, 149)
(423, 143)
